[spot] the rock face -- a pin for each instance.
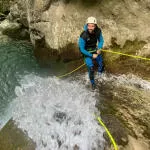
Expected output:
(12, 30)
(56, 24)
(4, 6)
(15, 139)
(130, 103)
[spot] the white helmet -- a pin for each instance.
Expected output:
(91, 20)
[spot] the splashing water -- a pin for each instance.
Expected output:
(130, 80)
(16, 59)
(57, 114)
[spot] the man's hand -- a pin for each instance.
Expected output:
(98, 51)
(95, 56)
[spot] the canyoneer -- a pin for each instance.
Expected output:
(90, 45)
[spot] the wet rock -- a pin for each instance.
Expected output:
(119, 64)
(130, 104)
(136, 144)
(13, 30)
(60, 116)
(76, 147)
(13, 138)
(44, 143)
(77, 132)
(116, 128)
(59, 142)
(39, 38)
(4, 6)
(47, 4)
(4, 38)
(18, 12)
(2, 16)
(6, 25)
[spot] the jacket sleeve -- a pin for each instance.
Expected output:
(100, 41)
(82, 48)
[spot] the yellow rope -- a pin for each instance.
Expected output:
(119, 53)
(107, 51)
(108, 133)
(71, 71)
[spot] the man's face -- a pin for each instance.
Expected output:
(91, 27)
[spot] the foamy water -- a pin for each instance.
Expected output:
(130, 80)
(57, 114)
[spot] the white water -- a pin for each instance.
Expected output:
(130, 80)
(57, 114)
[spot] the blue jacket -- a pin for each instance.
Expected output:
(83, 41)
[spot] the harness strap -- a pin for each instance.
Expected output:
(91, 51)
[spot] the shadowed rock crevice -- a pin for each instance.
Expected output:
(45, 55)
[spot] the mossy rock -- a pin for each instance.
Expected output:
(13, 138)
(120, 64)
(4, 5)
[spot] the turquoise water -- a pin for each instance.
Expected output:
(16, 60)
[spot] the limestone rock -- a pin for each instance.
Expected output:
(4, 5)
(7, 28)
(61, 21)
(13, 30)
(116, 128)
(6, 25)
(4, 38)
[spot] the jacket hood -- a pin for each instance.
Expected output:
(85, 27)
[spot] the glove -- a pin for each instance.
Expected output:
(98, 51)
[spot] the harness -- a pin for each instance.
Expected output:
(92, 51)
(91, 39)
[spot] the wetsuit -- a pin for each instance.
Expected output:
(88, 46)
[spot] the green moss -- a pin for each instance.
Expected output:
(129, 46)
(4, 5)
(123, 64)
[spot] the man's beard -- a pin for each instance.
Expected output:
(91, 31)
